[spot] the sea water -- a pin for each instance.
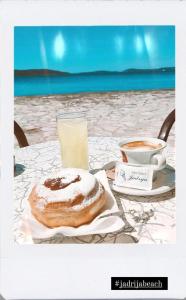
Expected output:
(77, 83)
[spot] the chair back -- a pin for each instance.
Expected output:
(20, 136)
(166, 126)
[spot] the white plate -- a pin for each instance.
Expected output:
(103, 223)
(165, 182)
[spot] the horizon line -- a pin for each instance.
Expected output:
(26, 71)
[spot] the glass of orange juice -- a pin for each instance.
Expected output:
(73, 137)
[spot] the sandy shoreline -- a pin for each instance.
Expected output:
(120, 114)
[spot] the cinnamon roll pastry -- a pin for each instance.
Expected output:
(72, 197)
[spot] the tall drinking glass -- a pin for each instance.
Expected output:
(73, 137)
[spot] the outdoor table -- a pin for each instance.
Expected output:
(148, 220)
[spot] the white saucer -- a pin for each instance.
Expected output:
(165, 182)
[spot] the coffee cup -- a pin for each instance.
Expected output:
(144, 151)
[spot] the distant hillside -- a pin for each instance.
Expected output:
(39, 72)
(132, 71)
(46, 72)
(159, 70)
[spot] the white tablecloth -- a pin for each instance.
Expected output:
(147, 219)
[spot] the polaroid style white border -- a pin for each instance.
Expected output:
(84, 271)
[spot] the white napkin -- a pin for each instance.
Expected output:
(103, 223)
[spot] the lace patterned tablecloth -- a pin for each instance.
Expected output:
(148, 220)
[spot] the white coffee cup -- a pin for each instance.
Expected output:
(144, 151)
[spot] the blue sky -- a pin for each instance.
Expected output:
(90, 48)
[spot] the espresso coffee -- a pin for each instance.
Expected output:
(141, 146)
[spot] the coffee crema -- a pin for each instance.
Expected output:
(141, 146)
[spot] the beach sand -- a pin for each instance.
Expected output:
(120, 114)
